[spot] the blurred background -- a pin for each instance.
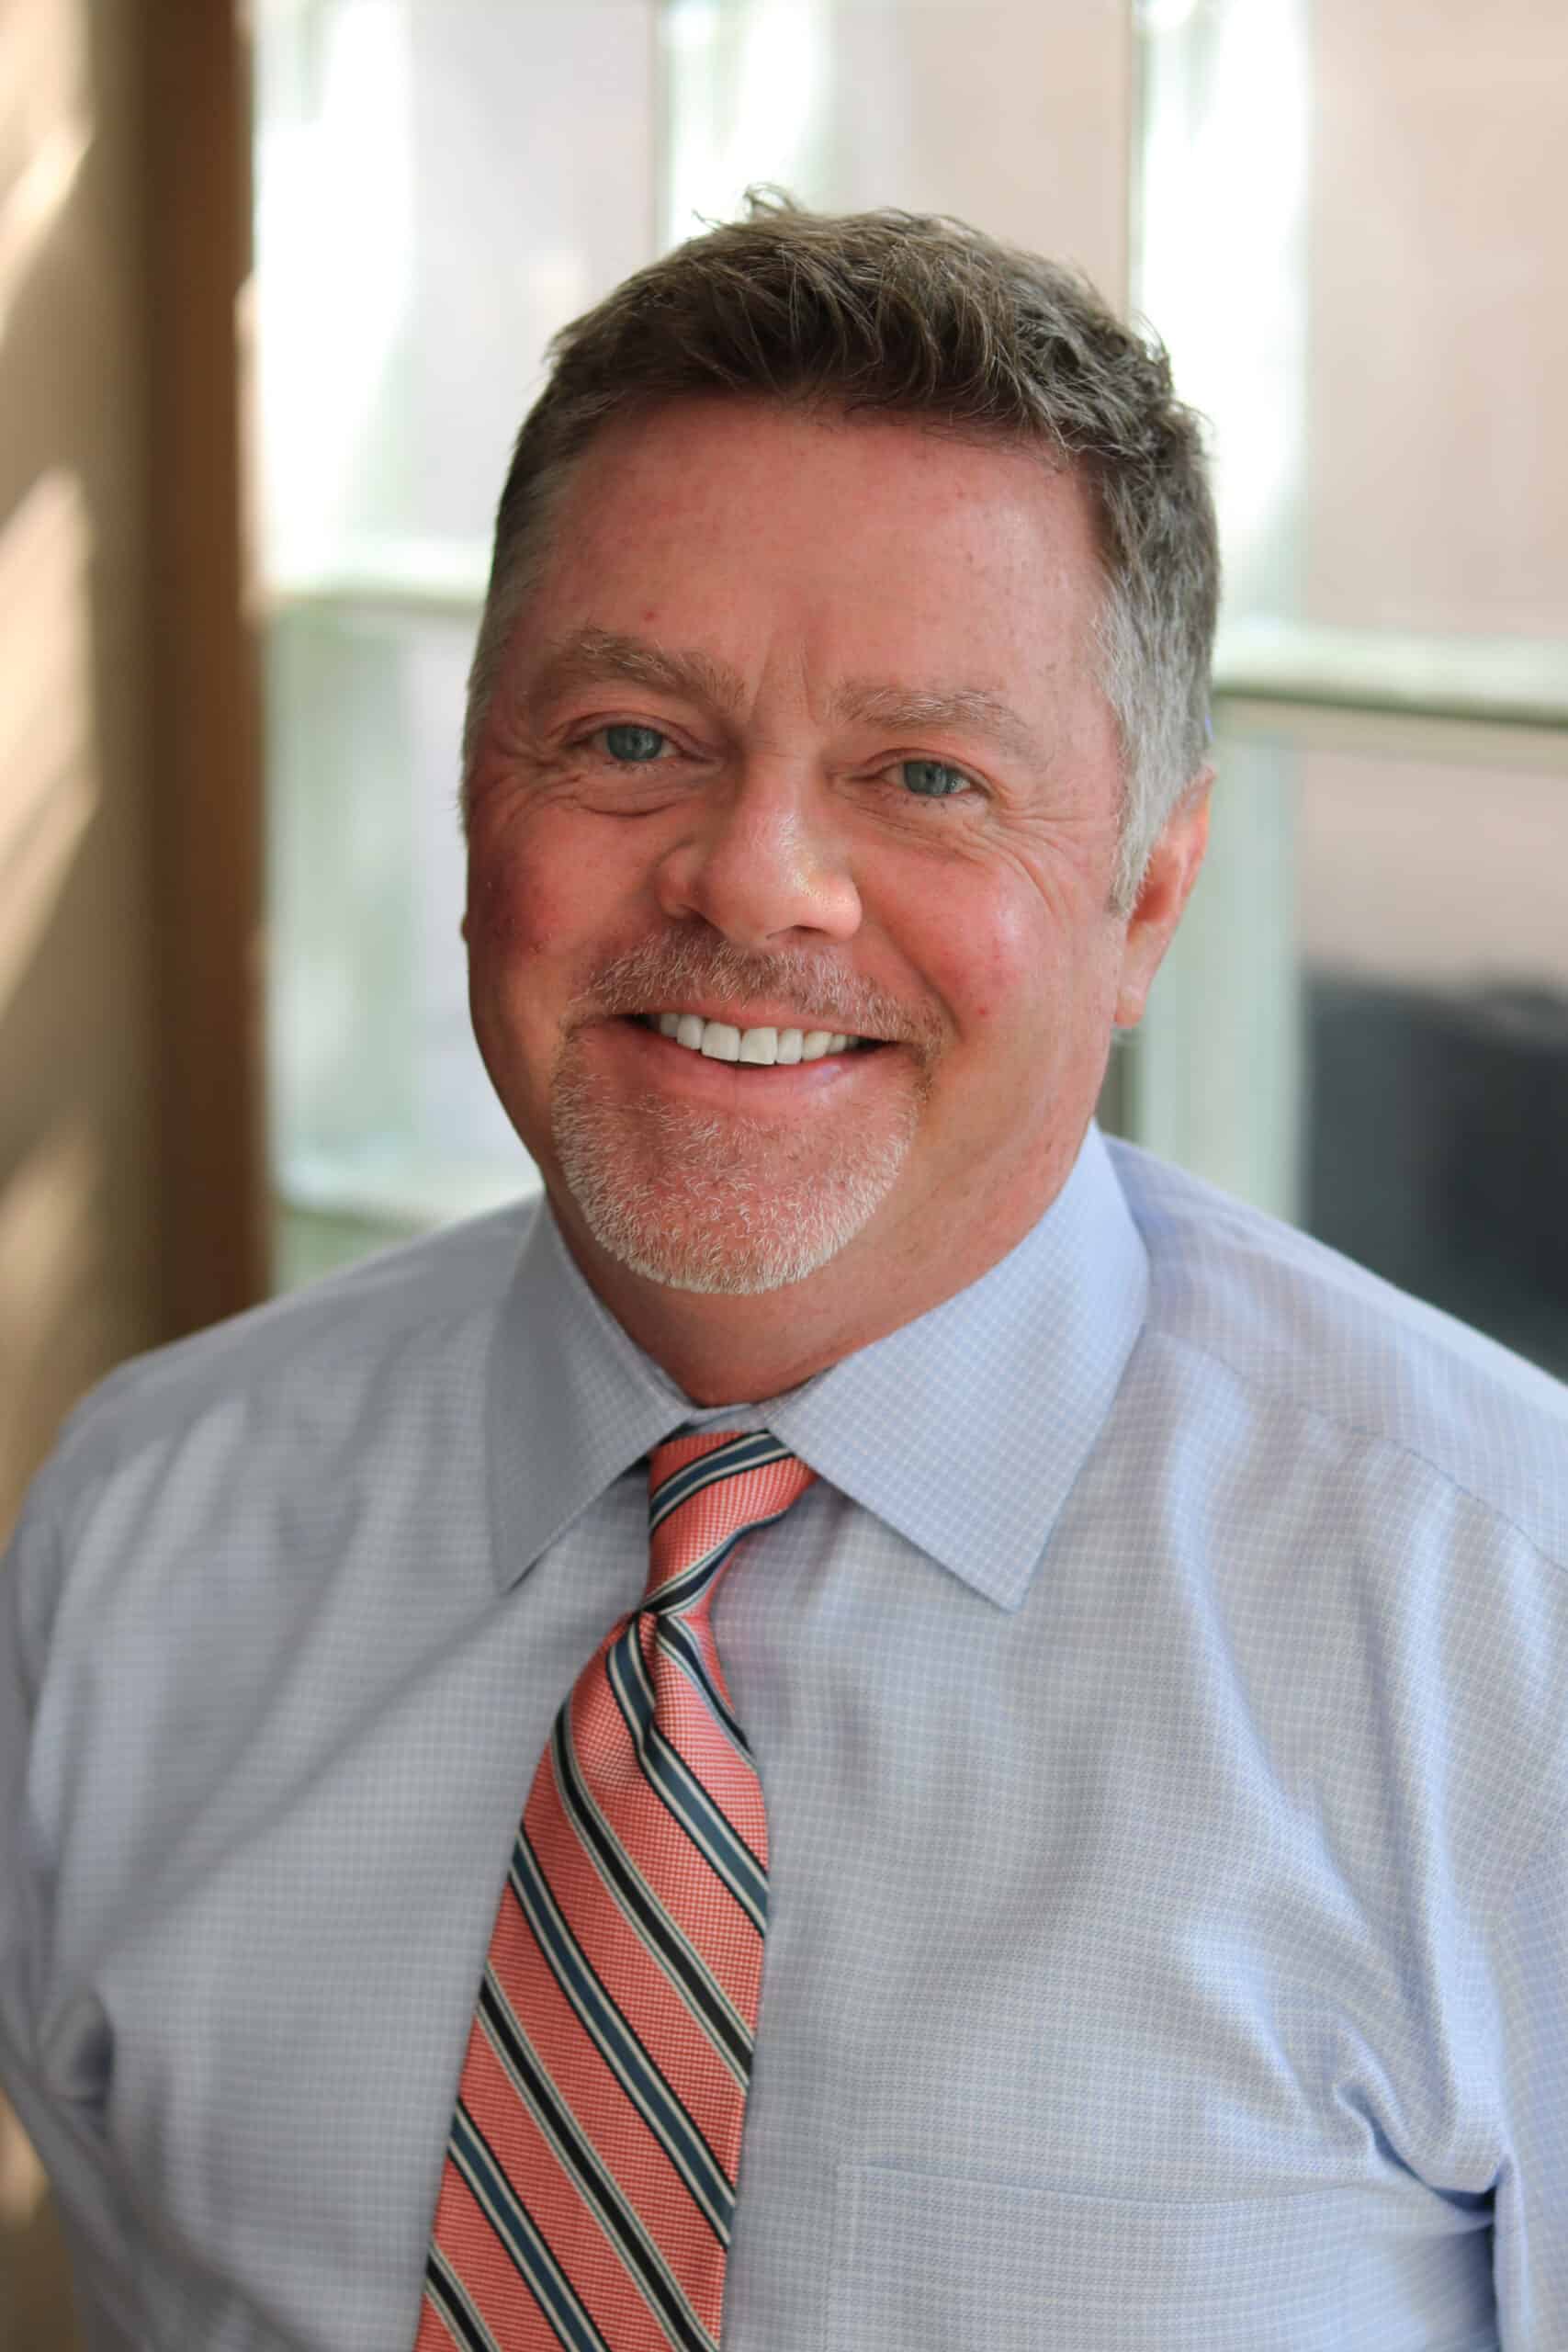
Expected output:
(274, 284)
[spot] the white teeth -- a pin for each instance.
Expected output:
(721, 1040)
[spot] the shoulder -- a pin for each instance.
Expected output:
(1309, 1330)
(312, 1354)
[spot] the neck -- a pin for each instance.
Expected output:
(726, 1349)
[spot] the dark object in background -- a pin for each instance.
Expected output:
(1437, 1147)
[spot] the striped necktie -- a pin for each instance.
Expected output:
(589, 2187)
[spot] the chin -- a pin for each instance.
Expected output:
(701, 1205)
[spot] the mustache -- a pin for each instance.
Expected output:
(654, 977)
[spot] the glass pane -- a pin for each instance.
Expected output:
(439, 185)
(379, 1102)
(1013, 114)
(1213, 1075)
(1435, 953)
(1353, 233)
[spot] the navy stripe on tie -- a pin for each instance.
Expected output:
(752, 1452)
(685, 1968)
(682, 1593)
(677, 1597)
(519, 2233)
(458, 2314)
(619, 2046)
(638, 2253)
(714, 1836)
(680, 1645)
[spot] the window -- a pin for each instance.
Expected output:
(440, 183)
(1351, 234)
(1348, 226)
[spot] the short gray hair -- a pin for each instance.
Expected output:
(912, 315)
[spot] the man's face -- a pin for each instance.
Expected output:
(800, 731)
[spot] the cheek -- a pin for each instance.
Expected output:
(1017, 977)
(532, 902)
(492, 925)
(989, 957)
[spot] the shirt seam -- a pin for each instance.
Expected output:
(103, 1431)
(1277, 1393)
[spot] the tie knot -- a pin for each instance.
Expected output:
(704, 1493)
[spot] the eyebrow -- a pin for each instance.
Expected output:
(600, 654)
(971, 707)
(591, 655)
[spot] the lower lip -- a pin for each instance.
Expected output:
(752, 1086)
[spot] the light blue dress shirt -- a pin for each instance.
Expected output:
(1161, 1701)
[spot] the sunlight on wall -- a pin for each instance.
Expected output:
(32, 202)
(48, 785)
(51, 1203)
(51, 1212)
(43, 131)
(22, 2183)
(49, 794)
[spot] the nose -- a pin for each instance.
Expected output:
(763, 858)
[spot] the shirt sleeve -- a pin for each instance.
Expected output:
(26, 1575)
(67, 2133)
(1530, 2221)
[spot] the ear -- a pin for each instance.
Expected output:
(1166, 886)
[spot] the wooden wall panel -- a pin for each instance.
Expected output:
(207, 761)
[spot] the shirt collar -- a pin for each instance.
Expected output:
(964, 1430)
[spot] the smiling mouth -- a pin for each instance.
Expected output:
(761, 1048)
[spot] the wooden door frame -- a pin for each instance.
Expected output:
(207, 764)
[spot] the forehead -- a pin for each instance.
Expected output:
(864, 539)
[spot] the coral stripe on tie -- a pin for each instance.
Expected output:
(583, 2243)
(681, 1881)
(634, 1977)
(588, 2192)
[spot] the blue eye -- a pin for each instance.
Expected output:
(933, 778)
(634, 746)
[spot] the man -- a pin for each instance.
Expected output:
(1035, 1696)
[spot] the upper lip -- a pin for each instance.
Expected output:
(790, 1017)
